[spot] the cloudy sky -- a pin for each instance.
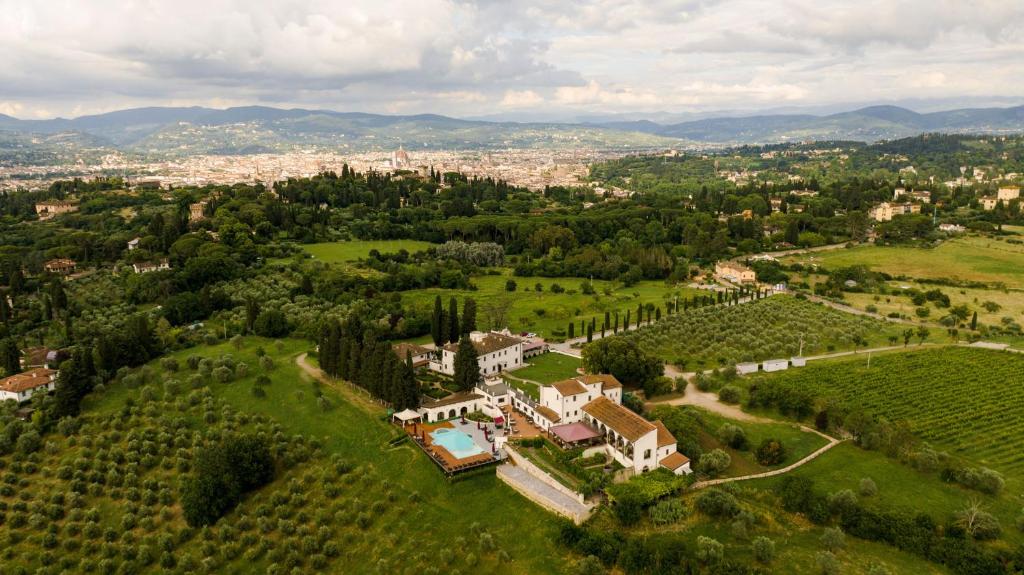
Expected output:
(512, 58)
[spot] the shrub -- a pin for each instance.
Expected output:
(867, 487)
(193, 362)
(770, 452)
(589, 565)
(827, 563)
(717, 503)
(266, 363)
(733, 436)
(667, 512)
(714, 462)
(833, 539)
(729, 394)
(169, 364)
(763, 549)
(223, 374)
(258, 391)
(709, 551)
(842, 502)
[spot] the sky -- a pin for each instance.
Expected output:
(512, 59)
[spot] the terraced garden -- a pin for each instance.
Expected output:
(967, 401)
(770, 328)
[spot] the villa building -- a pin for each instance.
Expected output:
(885, 211)
(1008, 193)
(989, 203)
(922, 196)
(21, 387)
(146, 267)
(496, 352)
(60, 266)
(47, 210)
(735, 272)
(420, 355)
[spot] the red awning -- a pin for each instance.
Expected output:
(574, 432)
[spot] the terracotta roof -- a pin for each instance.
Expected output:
(30, 379)
(665, 436)
(34, 356)
(402, 348)
(548, 414)
(569, 387)
(674, 461)
(489, 343)
(607, 380)
(618, 418)
(453, 399)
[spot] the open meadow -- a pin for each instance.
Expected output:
(971, 258)
(344, 252)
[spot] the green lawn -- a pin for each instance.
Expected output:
(548, 368)
(356, 429)
(545, 312)
(341, 252)
(900, 487)
(798, 443)
(972, 258)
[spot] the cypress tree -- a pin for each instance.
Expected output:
(657, 314)
(625, 324)
(616, 328)
(10, 356)
(607, 321)
(590, 333)
(344, 357)
(572, 329)
(436, 323)
(469, 315)
(5, 310)
(453, 320)
(639, 314)
(355, 354)
(974, 321)
(467, 368)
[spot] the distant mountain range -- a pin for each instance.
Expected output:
(255, 129)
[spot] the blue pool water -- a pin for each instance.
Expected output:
(458, 443)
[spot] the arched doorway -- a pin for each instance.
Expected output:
(463, 411)
(451, 413)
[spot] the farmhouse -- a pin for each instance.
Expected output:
(146, 267)
(495, 351)
(735, 272)
(1008, 193)
(420, 355)
(989, 203)
(47, 210)
(23, 386)
(60, 266)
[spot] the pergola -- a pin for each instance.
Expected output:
(406, 415)
(573, 433)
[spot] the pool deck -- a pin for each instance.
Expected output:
(420, 432)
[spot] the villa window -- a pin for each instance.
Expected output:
(647, 454)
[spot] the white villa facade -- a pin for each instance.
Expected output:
(21, 387)
(496, 352)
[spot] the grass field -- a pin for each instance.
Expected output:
(545, 312)
(900, 487)
(972, 258)
(395, 514)
(548, 368)
(770, 328)
(798, 443)
(341, 252)
(966, 401)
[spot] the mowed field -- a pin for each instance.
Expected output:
(972, 258)
(429, 521)
(545, 311)
(966, 401)
(342, 252)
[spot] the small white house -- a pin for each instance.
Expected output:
(21, 387)
(146, 267)
(133, 244)
(775, 364)
(746, 368)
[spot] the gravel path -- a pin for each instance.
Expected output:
(831, 443)
(543, 494)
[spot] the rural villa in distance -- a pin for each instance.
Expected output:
(472, 429)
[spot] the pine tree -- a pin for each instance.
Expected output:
(453, 320)
(467, 367)
(468, 316)
(435, 323)
(73, 383)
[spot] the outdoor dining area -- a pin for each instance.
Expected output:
(455, 445)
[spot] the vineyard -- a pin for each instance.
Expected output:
(967, 401)
(764, 329)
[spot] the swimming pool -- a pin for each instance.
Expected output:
(458, 443)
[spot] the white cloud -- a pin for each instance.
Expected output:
(467, 57)
(521, 99)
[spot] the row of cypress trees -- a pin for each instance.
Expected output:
(352, 354)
